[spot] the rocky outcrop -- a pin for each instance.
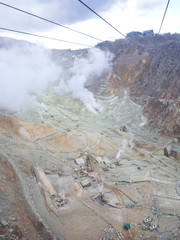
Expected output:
(150, 68)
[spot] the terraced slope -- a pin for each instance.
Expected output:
(80, 174)
(107, 191)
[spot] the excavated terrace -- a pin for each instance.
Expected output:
(81, 175)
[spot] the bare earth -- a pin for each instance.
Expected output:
(47, 194)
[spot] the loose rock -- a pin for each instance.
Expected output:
(86, 183)
(99, 159)
(4, 223)
(80, 161)
(106, 161)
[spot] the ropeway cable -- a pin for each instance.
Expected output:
(50, 21)
(40, 36)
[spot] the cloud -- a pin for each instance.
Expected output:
(148, 4)
(25, 70)
(63, 12)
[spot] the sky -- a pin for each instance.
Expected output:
(125, 15)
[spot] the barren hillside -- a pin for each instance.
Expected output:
(95, 155)
(150, 70)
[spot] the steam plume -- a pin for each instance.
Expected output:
(24, 71)
(122, 149)
(83, 70)
(27, 70)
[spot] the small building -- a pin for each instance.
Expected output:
(175, 150)
(148, 33)
(167, 34)
(171, 149)
(133, 34)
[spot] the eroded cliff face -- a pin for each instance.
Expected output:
(150, 69)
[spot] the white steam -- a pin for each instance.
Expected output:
(122, 149)
(27, 70)
(62, 188)
(131, 143)
(84, 70)
(24, 71)
(100, 187)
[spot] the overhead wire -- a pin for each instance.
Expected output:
(164, 15)
(101, 17)
(104, 20)
(40, 36)
(50, 21)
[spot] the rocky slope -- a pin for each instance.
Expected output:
(149, 68)
(80, 177)
(70, 173)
